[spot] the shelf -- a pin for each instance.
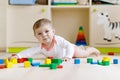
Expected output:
(75, 6)
(65, 18)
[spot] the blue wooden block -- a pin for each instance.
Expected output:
(1, 61)
(115, 61)
(77, 61)
(35, 63)
(22, 1)
(94, 63)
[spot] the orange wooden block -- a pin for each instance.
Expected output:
(110, 53)
(59, 66)
(2, 66)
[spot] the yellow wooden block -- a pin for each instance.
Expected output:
(13, 60)
(106, 59)
(9, 65)
(27, 64)
(6, 61)
(47, 61)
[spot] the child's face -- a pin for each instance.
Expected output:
(44, 34)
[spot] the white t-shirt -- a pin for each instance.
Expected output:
(59, 48)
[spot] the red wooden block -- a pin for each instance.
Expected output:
(59, 66)
(50, 57)
(20, 60)
(110, 53)
(2, 66)
(25, 59)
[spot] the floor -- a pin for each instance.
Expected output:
(70, 71)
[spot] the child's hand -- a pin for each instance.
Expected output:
(13, 56)
(65, 59)
(92, 50)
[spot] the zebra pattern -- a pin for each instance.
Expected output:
(110, 28)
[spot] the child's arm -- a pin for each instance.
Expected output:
(28, 52)
(13, 56)
(69, 53)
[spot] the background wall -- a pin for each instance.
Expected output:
(2, 24)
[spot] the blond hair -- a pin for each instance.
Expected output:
(40, 23)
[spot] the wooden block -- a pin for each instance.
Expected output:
(110, 53)
(27, 64)
(47, 61)
(13, 60)
(9, 65)
(59, 66)
(2, 66)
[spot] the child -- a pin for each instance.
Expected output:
(54, 45)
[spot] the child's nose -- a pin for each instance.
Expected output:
(44, 34)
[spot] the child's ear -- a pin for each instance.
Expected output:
(34, 35)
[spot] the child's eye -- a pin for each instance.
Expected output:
(39, 33)
(46, 31)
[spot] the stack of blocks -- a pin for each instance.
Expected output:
(81, 38)
(52, 63)
(105, 61)
(8, 63)
(28, 62)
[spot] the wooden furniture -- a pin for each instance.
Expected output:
(66, 20)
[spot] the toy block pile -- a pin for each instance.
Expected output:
(9, 63)
(52, 63)
(28, 62)
(105, 61)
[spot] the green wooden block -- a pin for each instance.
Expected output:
(89, 60)
(30, 59)
(57, 61)
(44, 65)
(53, 66)
(106, 63)
(99, 62)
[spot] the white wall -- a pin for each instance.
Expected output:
(3, 24)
